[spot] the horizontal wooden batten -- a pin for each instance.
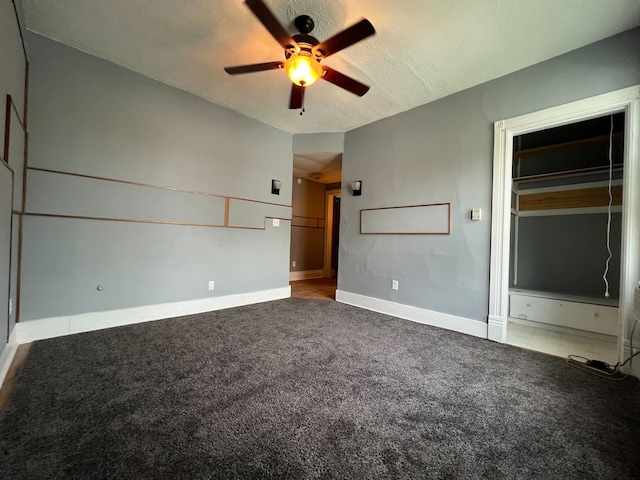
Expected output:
(151, 185)
(157, 222)
(308, 222)
(579, 198)
(407, 220)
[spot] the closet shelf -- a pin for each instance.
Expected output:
(566, 173)
(585, 142)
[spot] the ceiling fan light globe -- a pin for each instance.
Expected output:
(302, 70)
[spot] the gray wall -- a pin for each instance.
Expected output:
(92, 118)
(308, 225)
(567, 254)
(313, 143)
(12, 82)
(442, 152)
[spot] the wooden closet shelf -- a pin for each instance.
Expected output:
(518, 154)
(566, 173)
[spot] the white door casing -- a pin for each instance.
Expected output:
(626, 100)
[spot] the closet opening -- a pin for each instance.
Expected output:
(565, 239)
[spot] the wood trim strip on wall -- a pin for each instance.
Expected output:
(156, 222)
(18, 114)
(26, 95)
(15, 10)
(7, 129)
(304, 216)
(9, 107)
(580, 198)
(319, 222)
(8, 167)
(10, 248)
(226, 211)
(151, 185)
(447, 232)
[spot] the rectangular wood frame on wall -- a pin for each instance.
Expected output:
(14, 126)
(427, 219)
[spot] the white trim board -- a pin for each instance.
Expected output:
(305, 275)
(44, 328)
(415, 314)
(564, 188)
(633, 367)
(6, 358)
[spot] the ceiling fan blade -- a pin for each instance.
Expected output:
(342, 81)
(270, 22)
(345, 38)
(297, 96)
(255, 67)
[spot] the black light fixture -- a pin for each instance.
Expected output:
(356, 187)
(275, 187)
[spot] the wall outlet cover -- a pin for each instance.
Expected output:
(394, 284)
(211, 285)
(276, 222)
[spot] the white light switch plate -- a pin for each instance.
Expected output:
(476, 214)
(276, 222)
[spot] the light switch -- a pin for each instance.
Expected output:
(276, 222)
(476, 214)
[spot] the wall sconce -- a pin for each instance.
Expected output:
(275, 187)
(356, 188)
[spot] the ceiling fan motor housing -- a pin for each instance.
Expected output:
(304, 23)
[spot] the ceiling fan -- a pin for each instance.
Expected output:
(303, 53)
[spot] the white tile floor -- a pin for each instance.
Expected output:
(561, 344)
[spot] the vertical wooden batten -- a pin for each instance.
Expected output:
(25, 164)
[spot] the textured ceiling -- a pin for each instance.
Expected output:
(423, 49)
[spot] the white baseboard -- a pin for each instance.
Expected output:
(497, 330)
(28, 331)
(415, 314)
(633, 367)
(305, 275)
(7, 356)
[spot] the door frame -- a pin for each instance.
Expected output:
(330, 195)
(626, 100)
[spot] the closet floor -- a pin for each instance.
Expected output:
(561, 344)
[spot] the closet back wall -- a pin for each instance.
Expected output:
(567, 254)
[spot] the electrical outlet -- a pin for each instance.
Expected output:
(293, 264)
(211, 284)
(276, 222)
(10, 306)
(394, 284)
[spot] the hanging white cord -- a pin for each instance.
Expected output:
(606, 265)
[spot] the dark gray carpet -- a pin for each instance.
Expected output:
(310, 389)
